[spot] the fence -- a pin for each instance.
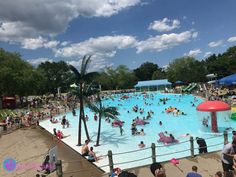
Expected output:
(153, 155)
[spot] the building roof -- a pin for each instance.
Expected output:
(152, 83)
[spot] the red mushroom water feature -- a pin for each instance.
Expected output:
(213, 107)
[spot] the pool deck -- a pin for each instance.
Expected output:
(29, 146)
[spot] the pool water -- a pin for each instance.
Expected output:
(179, 126)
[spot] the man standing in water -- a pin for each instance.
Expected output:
(121, 130)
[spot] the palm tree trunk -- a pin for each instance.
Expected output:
(85, 127)
(100, 120)
(80, 118)
(82, 112)
(99, 129)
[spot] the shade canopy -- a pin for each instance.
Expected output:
(229, 80)
(213, 106)
(152, 83)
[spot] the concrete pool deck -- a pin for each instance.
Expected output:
(30, 145)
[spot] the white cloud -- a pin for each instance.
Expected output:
(35, 43)
(195, 34)
(207, 54)
(15, 31)
(65, 43)
(215, 43)
(164, 25)
(30, 19)
(165, 41)
(39, 60)
(232, 39)
(101, 47)
(51, 44)
(193, 53)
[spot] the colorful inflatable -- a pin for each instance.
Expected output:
(233, 109)
(166, 139)
(174, 161)
(117, 123)
(124, 97)
(140, 122)
(164, 99)
(233, 116)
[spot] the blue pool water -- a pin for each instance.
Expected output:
(179, 126)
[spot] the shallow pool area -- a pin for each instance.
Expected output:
(178, 126)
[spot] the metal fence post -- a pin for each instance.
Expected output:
(153, 147)
(111, 165)
(225, 137)
(191, 146)
(59, 168)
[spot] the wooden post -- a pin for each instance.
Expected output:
(191, 146)
(153, 147)
(225, 137)
(111, 165)
(1, 130)
(59, 168)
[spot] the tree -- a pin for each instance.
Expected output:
(186, 69)
(118, 78)
(145, 71)
(159, 74)
(102, 111)
(56, 74)
(81, 78)
(223, 64)
(17, 76)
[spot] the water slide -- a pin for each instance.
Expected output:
(192, 87)
(186, 88)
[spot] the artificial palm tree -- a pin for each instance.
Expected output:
(81, 78)
(97, 107)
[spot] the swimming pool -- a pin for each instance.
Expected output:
(179, 126)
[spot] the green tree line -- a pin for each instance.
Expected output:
(18, 77)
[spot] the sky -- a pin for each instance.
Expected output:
(116, 32)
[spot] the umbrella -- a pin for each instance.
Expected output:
(229, 80)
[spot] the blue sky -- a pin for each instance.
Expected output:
(116, 32)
